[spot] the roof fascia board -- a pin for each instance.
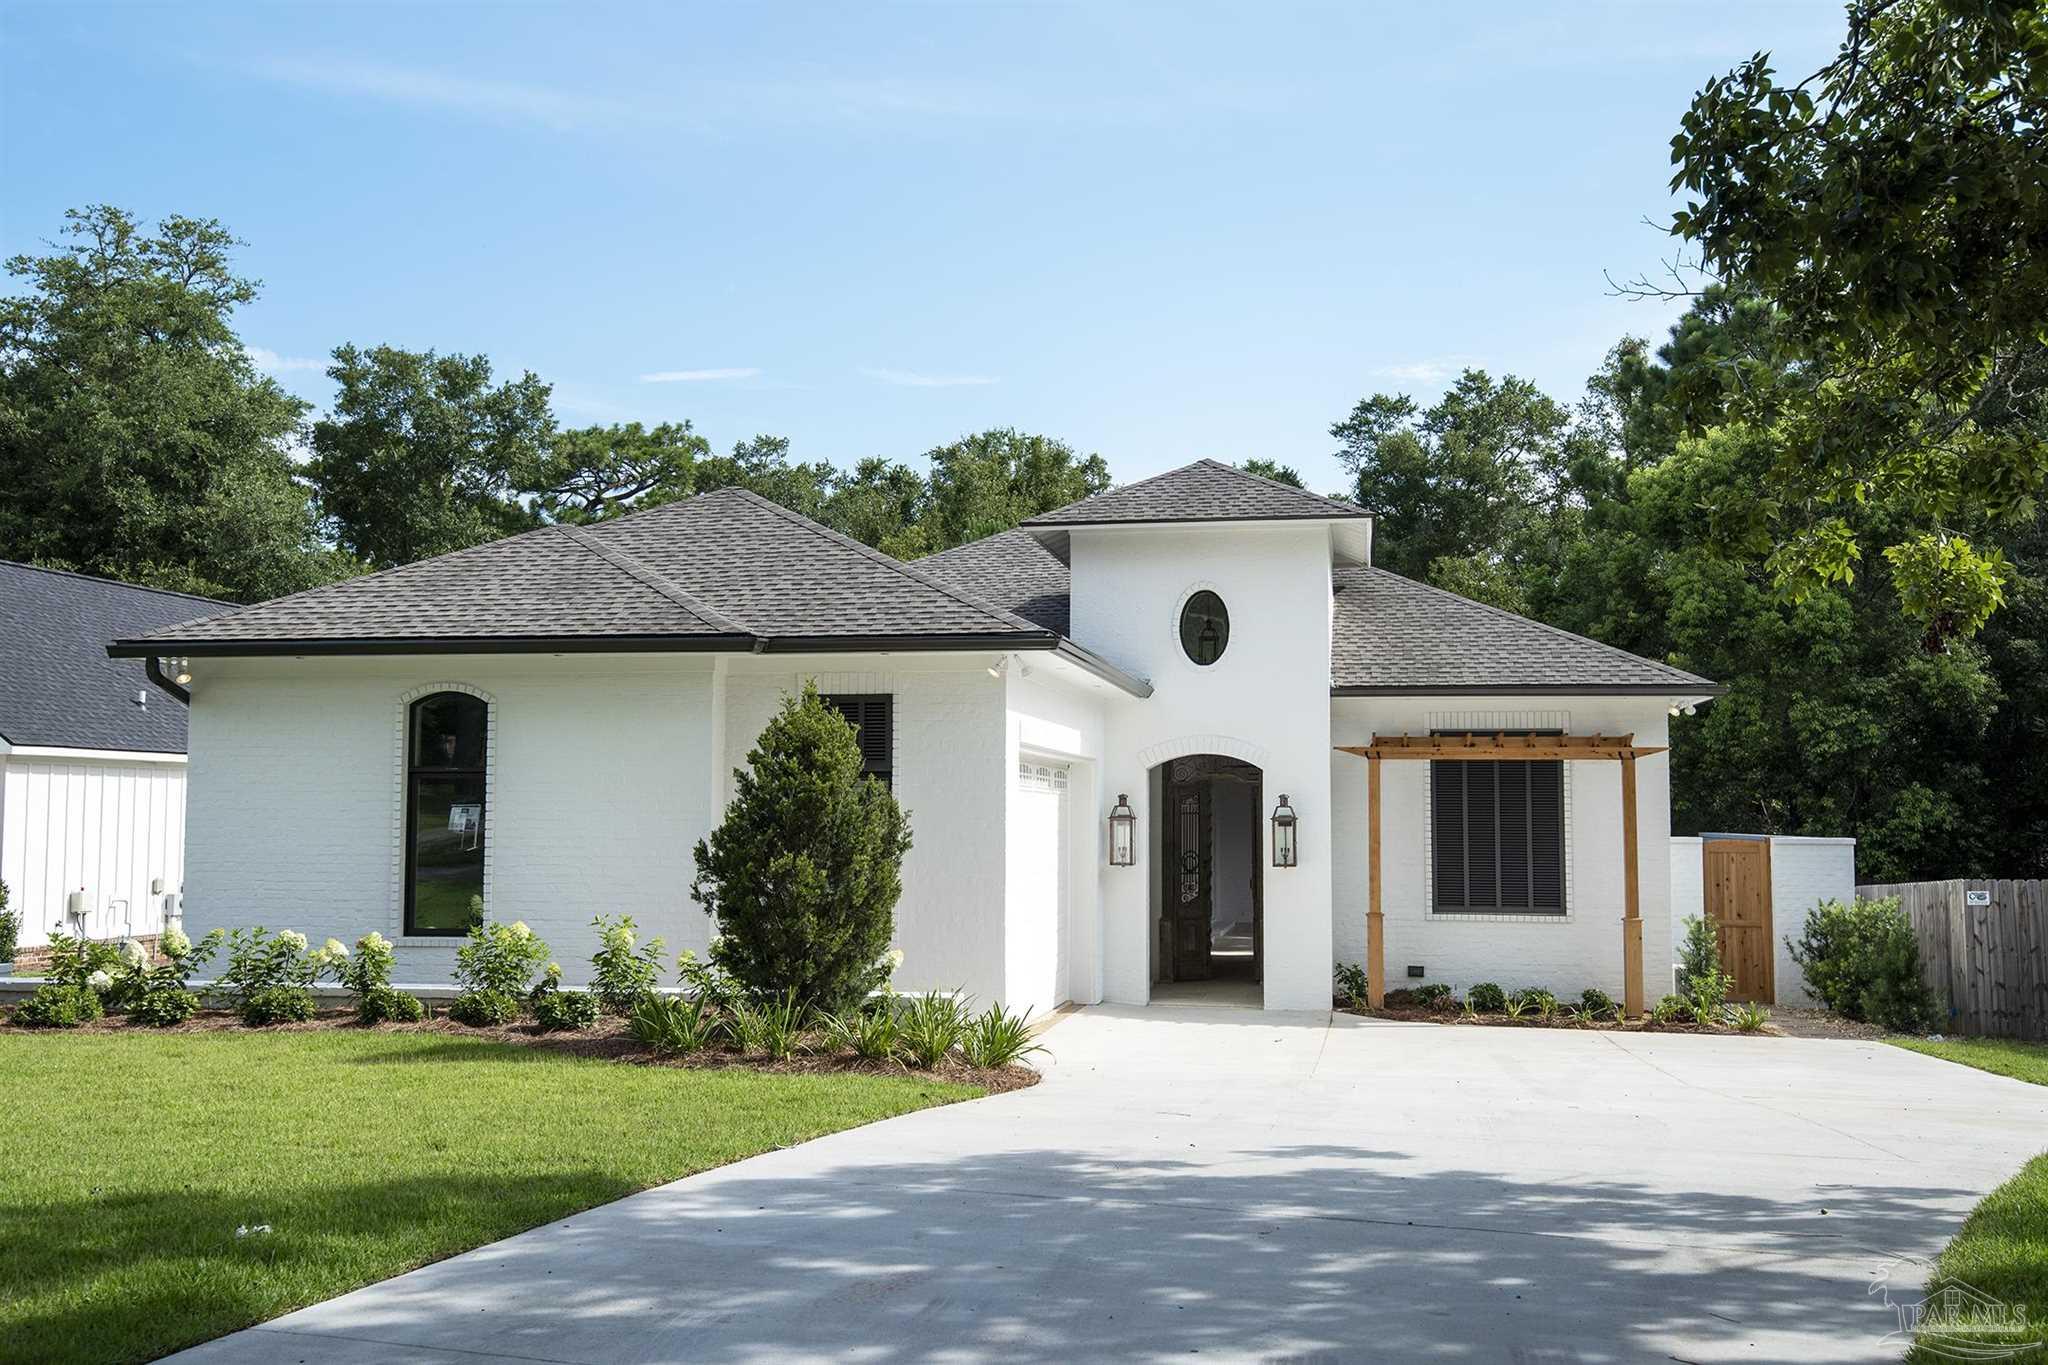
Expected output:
(69, 754)
(1696, 691)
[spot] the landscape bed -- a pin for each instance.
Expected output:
(166, 1186)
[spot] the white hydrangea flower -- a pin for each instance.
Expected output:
(894, 957)
(294, 938)
(99, 980)
(174, 943)
(373, 942)
(520, 931)
(334, 948)
(135, 953)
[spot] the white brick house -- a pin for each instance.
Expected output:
(549, 722)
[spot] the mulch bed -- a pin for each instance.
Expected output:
(607, 1040)
(1416, 1014)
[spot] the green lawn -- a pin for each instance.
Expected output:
(2002, 1250)
(2006, 1056)
(128, 1160)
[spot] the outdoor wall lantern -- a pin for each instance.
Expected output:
(1123, 824)
(1283, 833)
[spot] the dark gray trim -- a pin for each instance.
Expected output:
(1538, 690)
(153, 665)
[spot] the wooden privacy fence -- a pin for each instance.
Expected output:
(1983, 950)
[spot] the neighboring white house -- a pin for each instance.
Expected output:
(92, 758)
(549, 723)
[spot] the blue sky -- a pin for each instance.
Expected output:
(1159, 233)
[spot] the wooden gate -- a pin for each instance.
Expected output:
(1735, 875)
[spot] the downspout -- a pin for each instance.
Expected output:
(154, 667)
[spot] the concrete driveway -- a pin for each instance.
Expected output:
(1248, 1186)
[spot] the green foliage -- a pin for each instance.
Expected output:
(1486, 998)
(1538, 999)
(596, 472)
(269, 977)
(932, 1025)
(10, 927)
(1751, 1017)
(418, 452)
(137, 439)
(1700, 977)
(675, 1023)
(1862, 961)
(772, 1026)
(623, 969)
(803, 875)
(1597, 1004)
(871, 1033)
(1352, 986)
(366, 973)
(1889, 207)
(76, 961)
(1274, 470)
(484, 1009)
(387, 1005)
(995, 1038)
(500, 959)
(1672, 1009)
(158, 994)
(1436, 995)
(565, 1010)
(707, 981)
(58, 1005)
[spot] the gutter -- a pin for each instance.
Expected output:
(1702, 691)
(153, 665)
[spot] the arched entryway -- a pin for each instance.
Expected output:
(1209, 925)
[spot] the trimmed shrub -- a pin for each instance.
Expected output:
(269, 977)
(1487, 998)
(386, 1005)
(1436, 995)
(10, 927)
(57, 1005)
(1595, 1003)
(622, 972)
(673, 1023)
(484, 1009)
(499, 959)
(803, 875)
(1863, 962)
(565, 1010)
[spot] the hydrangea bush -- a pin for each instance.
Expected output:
(269, 977)
(624, 970)
(495, 969)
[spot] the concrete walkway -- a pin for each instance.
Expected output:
(1249, 1186)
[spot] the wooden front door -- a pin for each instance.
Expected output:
(1190, 870)
(1736, 879)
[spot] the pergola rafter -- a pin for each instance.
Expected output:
(1511, 748)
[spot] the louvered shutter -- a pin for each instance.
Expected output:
(1497, 835)
(873, 718)
(1447, 800)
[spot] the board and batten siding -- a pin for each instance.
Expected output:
(108, 827)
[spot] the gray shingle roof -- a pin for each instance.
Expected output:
(1207, 490)
(57, 685)
(724, 569)
(1013, 570)
(1392, 634)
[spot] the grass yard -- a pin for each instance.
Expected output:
(2002, 1250)
(2005, 1056)
(131, 1159)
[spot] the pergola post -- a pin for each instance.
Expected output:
(1375, 923)
(1632, 907)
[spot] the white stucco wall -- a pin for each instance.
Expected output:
(1266, 701)
(1566, 953)
(96, 823)
(1804, 872)
(596, 791)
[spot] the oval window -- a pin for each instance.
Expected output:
(1204, 627)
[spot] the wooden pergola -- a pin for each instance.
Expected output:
(1513, 748)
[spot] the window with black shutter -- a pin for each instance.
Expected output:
(1497, 834)
(873, 718)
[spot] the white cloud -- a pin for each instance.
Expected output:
(699, 376)
(504, 100)
(911, 379)
(1424, 371)
(270, 362)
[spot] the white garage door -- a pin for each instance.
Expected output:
(1037, 923)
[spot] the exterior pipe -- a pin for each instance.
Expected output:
(153, 665)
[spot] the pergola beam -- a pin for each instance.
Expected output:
(1510, 748)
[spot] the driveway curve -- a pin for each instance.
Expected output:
(1274, 1187)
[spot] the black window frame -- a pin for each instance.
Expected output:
(1188, 608)
(1540, 844)
(415, 773)
(873, 718)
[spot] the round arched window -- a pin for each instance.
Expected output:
(1204, 627)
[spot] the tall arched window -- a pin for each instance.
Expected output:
(444, 812)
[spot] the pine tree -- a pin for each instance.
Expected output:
(803, 876)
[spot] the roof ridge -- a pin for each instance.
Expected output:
(908, 571)
(652, 579)
(1288, 487)
(114, 582)
(1073, 513)
(1528, 621)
